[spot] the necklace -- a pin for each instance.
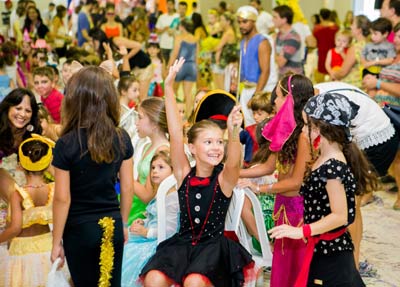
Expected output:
(196, 238)
(35, 186)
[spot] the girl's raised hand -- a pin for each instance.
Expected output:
(173, 70)
(108, 51)
(235, 118)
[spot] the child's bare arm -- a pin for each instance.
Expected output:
(15, 226)
(328, 61)
(180, 163)
(230, 174)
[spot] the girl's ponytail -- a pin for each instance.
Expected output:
(362, 169)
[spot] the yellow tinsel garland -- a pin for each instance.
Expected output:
(107, 251)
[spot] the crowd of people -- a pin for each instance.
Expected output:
(93, 118)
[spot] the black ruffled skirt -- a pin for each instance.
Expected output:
(222, 260)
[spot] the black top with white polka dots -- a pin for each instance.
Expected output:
(316, 201)
(200, 198)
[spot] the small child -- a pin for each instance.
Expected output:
(199, 254)
(39, 58)
(129, 91)
(66, 72)
(49, 128)
(335, 56)
(262, 108)
(182, 110)
(31, 213)
(43, 79)
(142, 241)
(380, 52)
(156, 86)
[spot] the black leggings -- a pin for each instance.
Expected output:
(82, 250)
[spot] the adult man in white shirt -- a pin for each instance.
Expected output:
(264, 22)
(165, 31)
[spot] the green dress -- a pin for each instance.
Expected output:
(267, 206)
(139, 207)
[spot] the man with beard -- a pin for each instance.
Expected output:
(255, 60)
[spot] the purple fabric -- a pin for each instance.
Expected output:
(288, 254)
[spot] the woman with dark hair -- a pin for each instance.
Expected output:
(200, 31)
(34, 24)
(139, 61)
(111, 27)
(186, 46)
(18, 119)
(350, 72)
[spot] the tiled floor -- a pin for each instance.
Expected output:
(381, 241)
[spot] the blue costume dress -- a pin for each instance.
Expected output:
(188, 72)
(139, 249)
(200, 245)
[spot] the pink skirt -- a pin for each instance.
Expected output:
(288, 254)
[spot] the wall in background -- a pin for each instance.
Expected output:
(309, 7)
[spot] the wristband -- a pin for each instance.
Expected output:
(306, 230)
(126, 225)
(378, 84)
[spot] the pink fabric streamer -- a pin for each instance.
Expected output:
(281, 127)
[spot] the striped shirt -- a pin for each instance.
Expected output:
(289, 44)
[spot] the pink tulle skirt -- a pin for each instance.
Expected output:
(288, 253)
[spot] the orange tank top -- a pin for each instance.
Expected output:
(112, 31)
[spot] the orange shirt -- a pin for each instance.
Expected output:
(112, 31)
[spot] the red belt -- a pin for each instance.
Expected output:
(302, 279)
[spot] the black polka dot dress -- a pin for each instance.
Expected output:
(200, 245)
(333, 261)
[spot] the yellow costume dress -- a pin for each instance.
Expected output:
(29, 257)
(3, 246)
